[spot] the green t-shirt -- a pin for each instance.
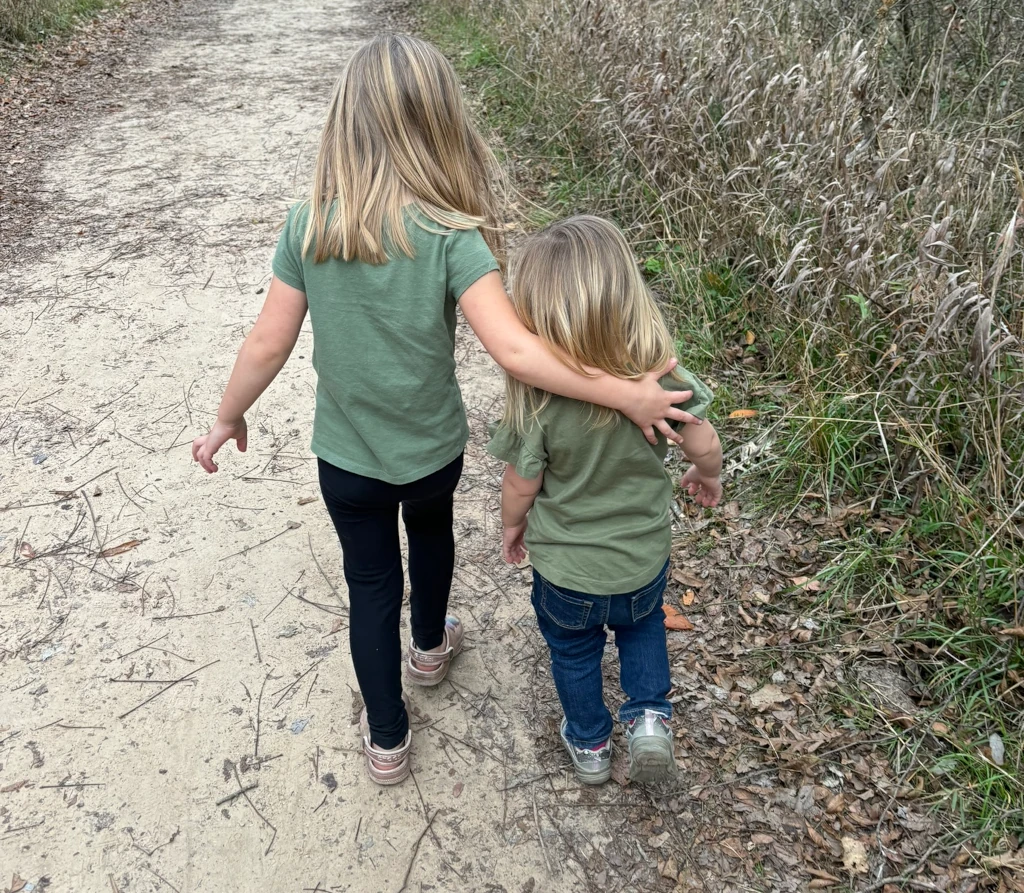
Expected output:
(387, 402)
(601, 523)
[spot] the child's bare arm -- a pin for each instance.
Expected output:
(524, 356)
(517, 498)
(263, 354)
(704, 450)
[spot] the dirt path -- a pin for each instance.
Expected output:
(115, 339)
(123, 568)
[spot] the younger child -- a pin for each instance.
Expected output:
(597, 494)
(397, 232)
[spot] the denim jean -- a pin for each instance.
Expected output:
(573, 624)
(365, 514)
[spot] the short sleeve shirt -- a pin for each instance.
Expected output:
(388, 405)
(601, 522)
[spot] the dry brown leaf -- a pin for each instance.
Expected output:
(820, 884)
(733, 846)
(675, 620)
(1005, 860)
(750, 337)
(766, 697)
(743, 414)
(119, 550)
(855, 856)
(27, 551)
(457, 790)
(17, 883)
(687, 578)
(337, 625)
(669, 869)
(306, 500)
(807, 584)
(11, 788)
(688, 597)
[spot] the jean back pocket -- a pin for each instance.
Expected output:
(564, 610)
(648, 599)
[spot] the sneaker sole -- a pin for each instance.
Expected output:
(651, 761)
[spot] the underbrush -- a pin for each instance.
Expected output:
(28, 21)
(828, 197)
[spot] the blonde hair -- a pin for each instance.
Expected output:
(576, 284)
(398, 133)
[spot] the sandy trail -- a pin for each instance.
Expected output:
(116, 337)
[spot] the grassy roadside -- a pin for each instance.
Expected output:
(916, 483)
(24, 23)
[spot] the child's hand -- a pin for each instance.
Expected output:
(205, 448)
(654, 407)
(706, 491)
(512, 548)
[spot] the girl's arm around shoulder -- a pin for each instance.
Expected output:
(522, 355)
(262, 356)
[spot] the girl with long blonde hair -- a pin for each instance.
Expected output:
(400, 227)
(589, 496)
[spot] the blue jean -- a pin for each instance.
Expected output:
(573, 624)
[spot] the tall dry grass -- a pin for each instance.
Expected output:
(861, 161)
(23, 21)
(843, 178)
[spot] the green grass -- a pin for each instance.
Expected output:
(31, 21)
(918, 569)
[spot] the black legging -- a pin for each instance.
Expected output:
(365, 514)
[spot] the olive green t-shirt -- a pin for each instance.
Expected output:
(601, 523)
(387, 402)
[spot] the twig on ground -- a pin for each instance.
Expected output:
(255, 641)
(416, 849)
(248, 800)
(162, 690)
(237, 793)
(540, 837)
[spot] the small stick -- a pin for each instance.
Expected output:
(540, 837)
(74, 784)
(187, 616)
(255, 641)
(162, 690)
(237, 793)
(292, 685)
(162, 878)
(308, 693)
(117, 477)
(416, 849)
(259, 703)
(322, 802)
(113, 886)
(359, 825)
(316, 561)
(254, 809)
(248, 549)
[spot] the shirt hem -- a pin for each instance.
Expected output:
(602, 586)
(378, 474)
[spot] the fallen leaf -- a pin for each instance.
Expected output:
(687, 578)
(457, 790)
(766, 697)
(1005, 860)
(27, 551)
(688, 597)
(732, 846)
(119, 550)
(306, 500)
(11, 788)
(762, 839)
(743, 414)
(855, 856)
(675, 620)
(807, 584)
(997, 749)
(669, 869)
(339, 622)
(17, 883)
(750, 337)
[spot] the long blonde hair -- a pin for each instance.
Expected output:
(576, 284)
(398, 133)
